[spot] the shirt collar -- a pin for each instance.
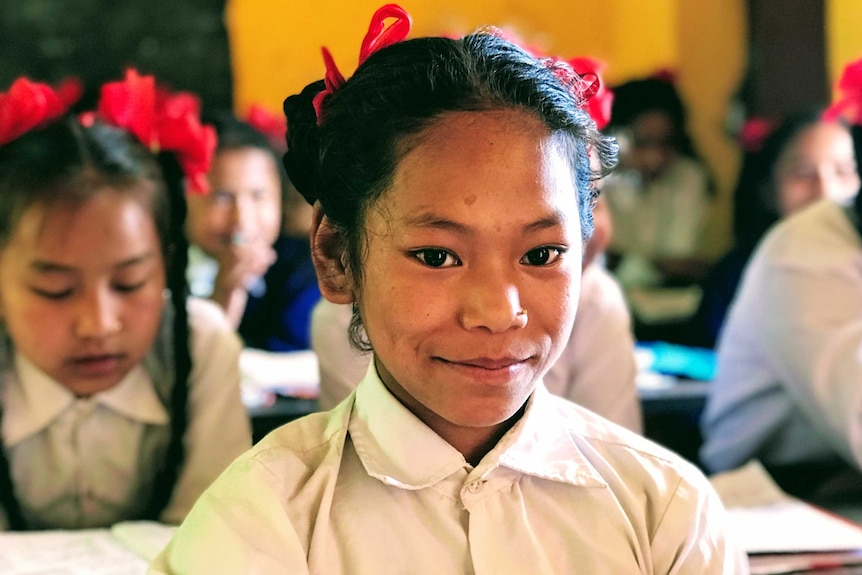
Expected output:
(397, 448)
(32, 400)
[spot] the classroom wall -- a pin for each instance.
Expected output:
(275, 50)
(843, 40)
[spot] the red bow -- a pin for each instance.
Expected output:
(25, 106)
(162, 121)
(272, 126)
(849, 105)
(377, 38)
(598, 98)
(754, 132)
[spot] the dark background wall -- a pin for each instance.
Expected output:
(183, 42)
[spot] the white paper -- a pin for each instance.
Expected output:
(87, 552)
(293, 374)
(764, 519)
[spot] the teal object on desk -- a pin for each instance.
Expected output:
(680, 360)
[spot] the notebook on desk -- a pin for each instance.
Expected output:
(780, 533)
(127, 548)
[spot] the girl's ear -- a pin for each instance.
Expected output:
(329, 255)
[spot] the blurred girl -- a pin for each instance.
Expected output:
(120, 399)
(803, 160)
(262, 278)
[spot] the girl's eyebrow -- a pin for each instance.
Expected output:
(42, 266)
(431, 221)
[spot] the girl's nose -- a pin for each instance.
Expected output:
(493, 304)
(97, 318)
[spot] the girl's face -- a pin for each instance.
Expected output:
(472, 269)
(653, 144)
(81, 289)
(244, 205)
(818, 163)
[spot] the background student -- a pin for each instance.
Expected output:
(119, 402)
(240, 257)
(804, 159)
(787, 386)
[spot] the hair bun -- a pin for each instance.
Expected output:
(302, 160)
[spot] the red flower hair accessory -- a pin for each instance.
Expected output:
(27, 105)
(377, 38)
(162, 121)
(849, 105)
(272, 126)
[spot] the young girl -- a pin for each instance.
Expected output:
(451, 456)
(787, 384)
(263, 279)
(119, 402)
(804, 159)
(660, 197)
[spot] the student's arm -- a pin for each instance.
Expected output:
(218, 429)
(811, 322)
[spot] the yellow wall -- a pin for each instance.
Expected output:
(275, 46)
(843, 40)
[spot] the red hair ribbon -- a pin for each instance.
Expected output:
(27, 105)
(754, 132)
(580, 75)
(849, 105)
(272, 126)
(377, 38)
(162, 121)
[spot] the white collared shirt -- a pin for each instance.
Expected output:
(85, 462)
(596, 370)
(368, 488)
(789, 376)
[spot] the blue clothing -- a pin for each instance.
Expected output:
(279, 319)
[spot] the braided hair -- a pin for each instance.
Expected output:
(66, 162)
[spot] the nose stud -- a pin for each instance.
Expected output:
(522, 313)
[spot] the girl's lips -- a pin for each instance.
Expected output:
(97, 365)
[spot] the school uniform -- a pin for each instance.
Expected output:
(82, 462)
(368, 488)
(596, 370)
(787, 389)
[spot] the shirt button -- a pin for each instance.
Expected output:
(475, 486)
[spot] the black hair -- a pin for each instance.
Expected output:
(755, 197)
(68, 163)
(347, 161)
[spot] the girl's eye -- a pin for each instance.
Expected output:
(436, 258)
(52, 295)
(542, 256)
(129, 287)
